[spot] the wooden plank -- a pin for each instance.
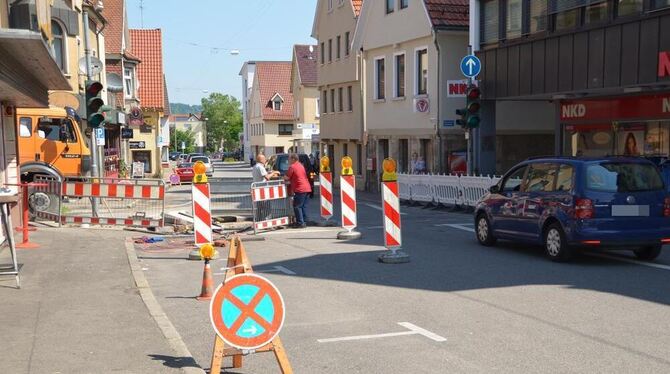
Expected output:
(280, 355)
(217, 356)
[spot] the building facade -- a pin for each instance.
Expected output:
(338, 77)
(193, 123)
(593, 74)
(305, 99)
(410, 50)
(271, 118)
(247, 75)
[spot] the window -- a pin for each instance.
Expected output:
(318, 108)
(276, 103)
(347, 43)
(332, 100)
(538, 15)
(568, 19)
(399, 82)
(513, 181)
(623, 177)
(380, 87)
(404, 4)
(564, 179)
(296, 109)
(596, 12)
(330, 5)
(324, 101)
(129, 82)
(350, 104)
(323, 53)
(422, 71)
(359, 159)
(337, 46)
(25, 127)
(513, 22)
(58, 43)
(390, 5)
(489, 23)
(285, 129)
(340, 98)
(541, 178)
(57, 130)
(330, 50)
(658, 4)
(629, 7)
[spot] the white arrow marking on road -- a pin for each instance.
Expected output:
(413, 330)
(251, 330)
(470, 63)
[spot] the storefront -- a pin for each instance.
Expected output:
(625, 126)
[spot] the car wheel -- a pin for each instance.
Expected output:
(555, 245)
(484, 232)
(648, 253)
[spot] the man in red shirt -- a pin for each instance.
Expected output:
(297, 175)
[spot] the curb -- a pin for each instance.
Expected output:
(167, 328)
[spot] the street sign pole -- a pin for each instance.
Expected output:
(470, 131)
(471, 66)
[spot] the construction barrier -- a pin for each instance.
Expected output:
(326, 194)
(202, 215)
(230, 196)
(271, 204)
(457, 190)
(348, 199)
(124, 202)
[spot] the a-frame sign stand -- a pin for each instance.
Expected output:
(238, 263)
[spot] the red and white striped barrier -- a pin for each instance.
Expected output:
(111, 221)
(202, 215)
(268, 192)
(348, 199)
(119, 190)
(326, 193)
(391, 205)
(271, 223)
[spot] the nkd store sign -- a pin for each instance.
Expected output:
(630, 107)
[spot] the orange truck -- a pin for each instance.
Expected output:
(51, 143)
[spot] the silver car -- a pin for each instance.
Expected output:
(209, 171)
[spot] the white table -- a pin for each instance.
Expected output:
(6, 202)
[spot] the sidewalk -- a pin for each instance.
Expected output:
(78, 310)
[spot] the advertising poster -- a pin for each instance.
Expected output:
(630, 141)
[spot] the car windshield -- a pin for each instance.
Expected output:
(623, 177)
(186, 165)
(200, 158)
(282, 164)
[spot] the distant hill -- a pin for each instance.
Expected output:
(180, 108)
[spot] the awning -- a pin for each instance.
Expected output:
(27, 70)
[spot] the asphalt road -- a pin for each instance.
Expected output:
(504, 309)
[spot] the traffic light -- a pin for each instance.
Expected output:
(473, 95)
(95, 106)
(463, 121)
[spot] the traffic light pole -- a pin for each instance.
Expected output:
(470, 132)
(89, 77)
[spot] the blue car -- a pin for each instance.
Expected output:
(567, 204)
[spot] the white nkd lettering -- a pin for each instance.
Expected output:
(573, 111)
(666, 105)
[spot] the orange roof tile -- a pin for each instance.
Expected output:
(306, 63)
(148, 46)
(448, 13)
(275, 78)
(357, 4)
(114, 12)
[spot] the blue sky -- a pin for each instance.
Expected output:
(199, 34)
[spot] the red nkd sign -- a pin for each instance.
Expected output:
(664, 64)
(458, 88)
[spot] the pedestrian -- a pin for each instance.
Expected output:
(260, 174)
(297, 176)
(413, 162)
(421, 166)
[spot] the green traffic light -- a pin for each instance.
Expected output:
(473, 121)
(95, 120)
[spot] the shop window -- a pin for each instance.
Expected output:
(25, 127)
(596, 13)
(566, 20)
(489, 22)
(285, 129)
(513, 21)
(588, 140)
(145, 158)
(538, 15)
(629, 7)
(658, 4)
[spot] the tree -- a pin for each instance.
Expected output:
(224, 121)
(185, 136)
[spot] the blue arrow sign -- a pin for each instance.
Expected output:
(471, 66)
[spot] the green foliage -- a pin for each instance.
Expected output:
(185, 136)
(180, 108)
(224, 121)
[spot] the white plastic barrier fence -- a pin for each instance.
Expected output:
(445, 189)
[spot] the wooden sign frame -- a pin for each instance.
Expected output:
(238, 263)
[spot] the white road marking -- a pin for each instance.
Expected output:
(297, 231)
(459, 226)
(379, 208)
(413, 330)
(628, 260)
(372, 227)
(276, 269)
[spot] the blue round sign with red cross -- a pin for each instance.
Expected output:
(247, 311)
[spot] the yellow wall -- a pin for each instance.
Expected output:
(150, 139)
(4, 17)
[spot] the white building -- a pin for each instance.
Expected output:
(247, 73)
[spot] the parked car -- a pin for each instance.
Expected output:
(209, 171)
(174, 156)
(567, 204)
(185, 172)
(279, 162)
(191, 155)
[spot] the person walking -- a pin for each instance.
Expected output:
(261, 174)
(297, 176)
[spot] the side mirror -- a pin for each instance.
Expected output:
(494, 189)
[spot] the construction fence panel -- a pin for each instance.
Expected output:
(447, 189)
(231, 196)
(422, 189)
(271, 204)
(125, 202)
(404, 187)
(474, 188)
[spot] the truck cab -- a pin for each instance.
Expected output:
(51, 143)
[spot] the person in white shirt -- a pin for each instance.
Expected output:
(260, 174)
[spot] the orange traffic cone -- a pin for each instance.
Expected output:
(207, 283)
